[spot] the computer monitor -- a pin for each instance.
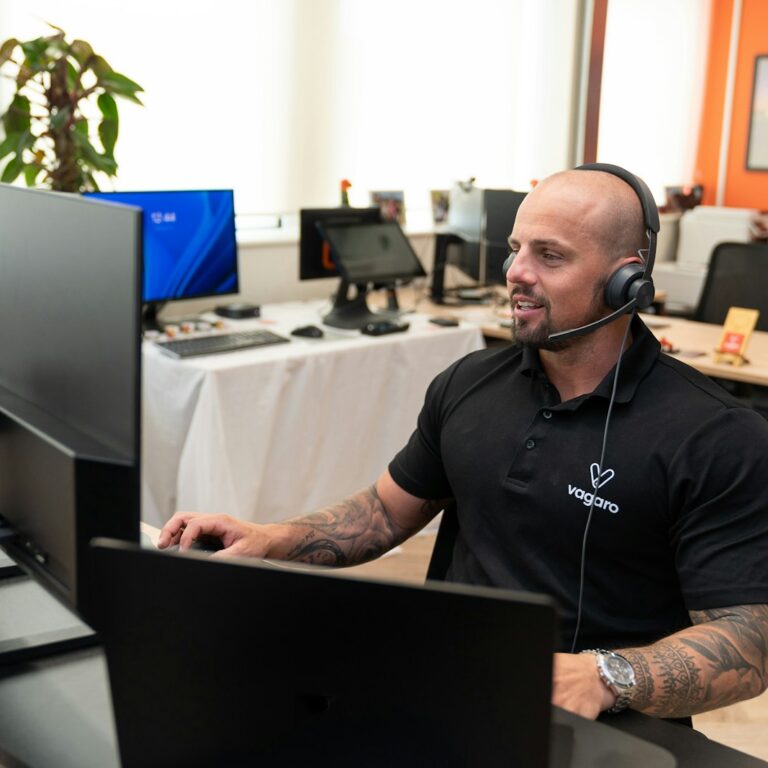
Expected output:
(70, 383)
(315, 258)
(474, 240)
(367, 254)
(252, 663)
(190, 249)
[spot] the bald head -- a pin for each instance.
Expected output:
(609, 211)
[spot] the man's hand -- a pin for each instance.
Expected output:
(237, 537)
(577, 687)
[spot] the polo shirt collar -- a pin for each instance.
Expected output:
(636, 363)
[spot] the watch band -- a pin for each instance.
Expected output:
(622, 691)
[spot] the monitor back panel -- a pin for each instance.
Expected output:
(225, 663)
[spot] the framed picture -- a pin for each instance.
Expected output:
(392, 204)
(757, 146)
(440, 201)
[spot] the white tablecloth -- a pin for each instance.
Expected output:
(277, 431)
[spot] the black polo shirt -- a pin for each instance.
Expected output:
(681, 513)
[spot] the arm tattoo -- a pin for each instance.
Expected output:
(721, 659)
(354, 531)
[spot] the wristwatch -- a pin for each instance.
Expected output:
(618, 674)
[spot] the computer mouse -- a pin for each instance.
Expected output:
(203, 543)
(308, 331)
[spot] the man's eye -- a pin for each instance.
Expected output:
(551, 257)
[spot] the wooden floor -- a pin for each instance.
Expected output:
(743, 726)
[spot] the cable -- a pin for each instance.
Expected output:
(582, 567)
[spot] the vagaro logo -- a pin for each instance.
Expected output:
(599, 479)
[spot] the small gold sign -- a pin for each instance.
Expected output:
(739, 324)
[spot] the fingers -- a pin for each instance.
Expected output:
(236, 536)
(222, 527)
(172, 530)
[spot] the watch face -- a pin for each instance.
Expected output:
(619, 670)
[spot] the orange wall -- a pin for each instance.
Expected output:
(743, 188)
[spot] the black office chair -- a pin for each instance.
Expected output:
(442, 553)
(737, 277)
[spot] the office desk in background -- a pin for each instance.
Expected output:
(696, 342)
(278, 431)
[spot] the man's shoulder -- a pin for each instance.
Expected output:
(484, 366)
(485, 361)
(678, 385)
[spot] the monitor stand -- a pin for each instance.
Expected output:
(34, 624)
(149, 316)
(352, 313)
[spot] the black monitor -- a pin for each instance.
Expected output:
(367, 254)
(315, 258)
(70, 382)
(190, 249)
(252, 663)
(474, 240)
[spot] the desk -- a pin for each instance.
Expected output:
(279, 431)
(691, 337)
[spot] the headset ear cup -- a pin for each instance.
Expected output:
(620, 288)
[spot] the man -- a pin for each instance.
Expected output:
(674, 573)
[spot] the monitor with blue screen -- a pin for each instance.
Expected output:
(190, 250)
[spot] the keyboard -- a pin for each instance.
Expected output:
(222, 342)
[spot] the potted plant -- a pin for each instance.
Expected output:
(46, 134)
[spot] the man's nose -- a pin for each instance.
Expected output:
(519, 268)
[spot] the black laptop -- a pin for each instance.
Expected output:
(240, 663)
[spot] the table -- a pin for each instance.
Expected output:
(696, 342)
(278, 431)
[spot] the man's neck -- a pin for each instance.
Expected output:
(578, 369)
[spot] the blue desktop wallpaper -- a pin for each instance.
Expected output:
(190, 249)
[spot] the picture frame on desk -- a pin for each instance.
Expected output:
(757, 143)
(440, 199)
(392, 204)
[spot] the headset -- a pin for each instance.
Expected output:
(630, 287)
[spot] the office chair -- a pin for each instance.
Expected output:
(737, 277)
(442, 553)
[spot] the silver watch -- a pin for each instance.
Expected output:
(618, 674)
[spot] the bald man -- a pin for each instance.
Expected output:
(671, 616)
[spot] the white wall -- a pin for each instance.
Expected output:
(281, 99)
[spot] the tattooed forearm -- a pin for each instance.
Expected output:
(721, 659)
(354, 531)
